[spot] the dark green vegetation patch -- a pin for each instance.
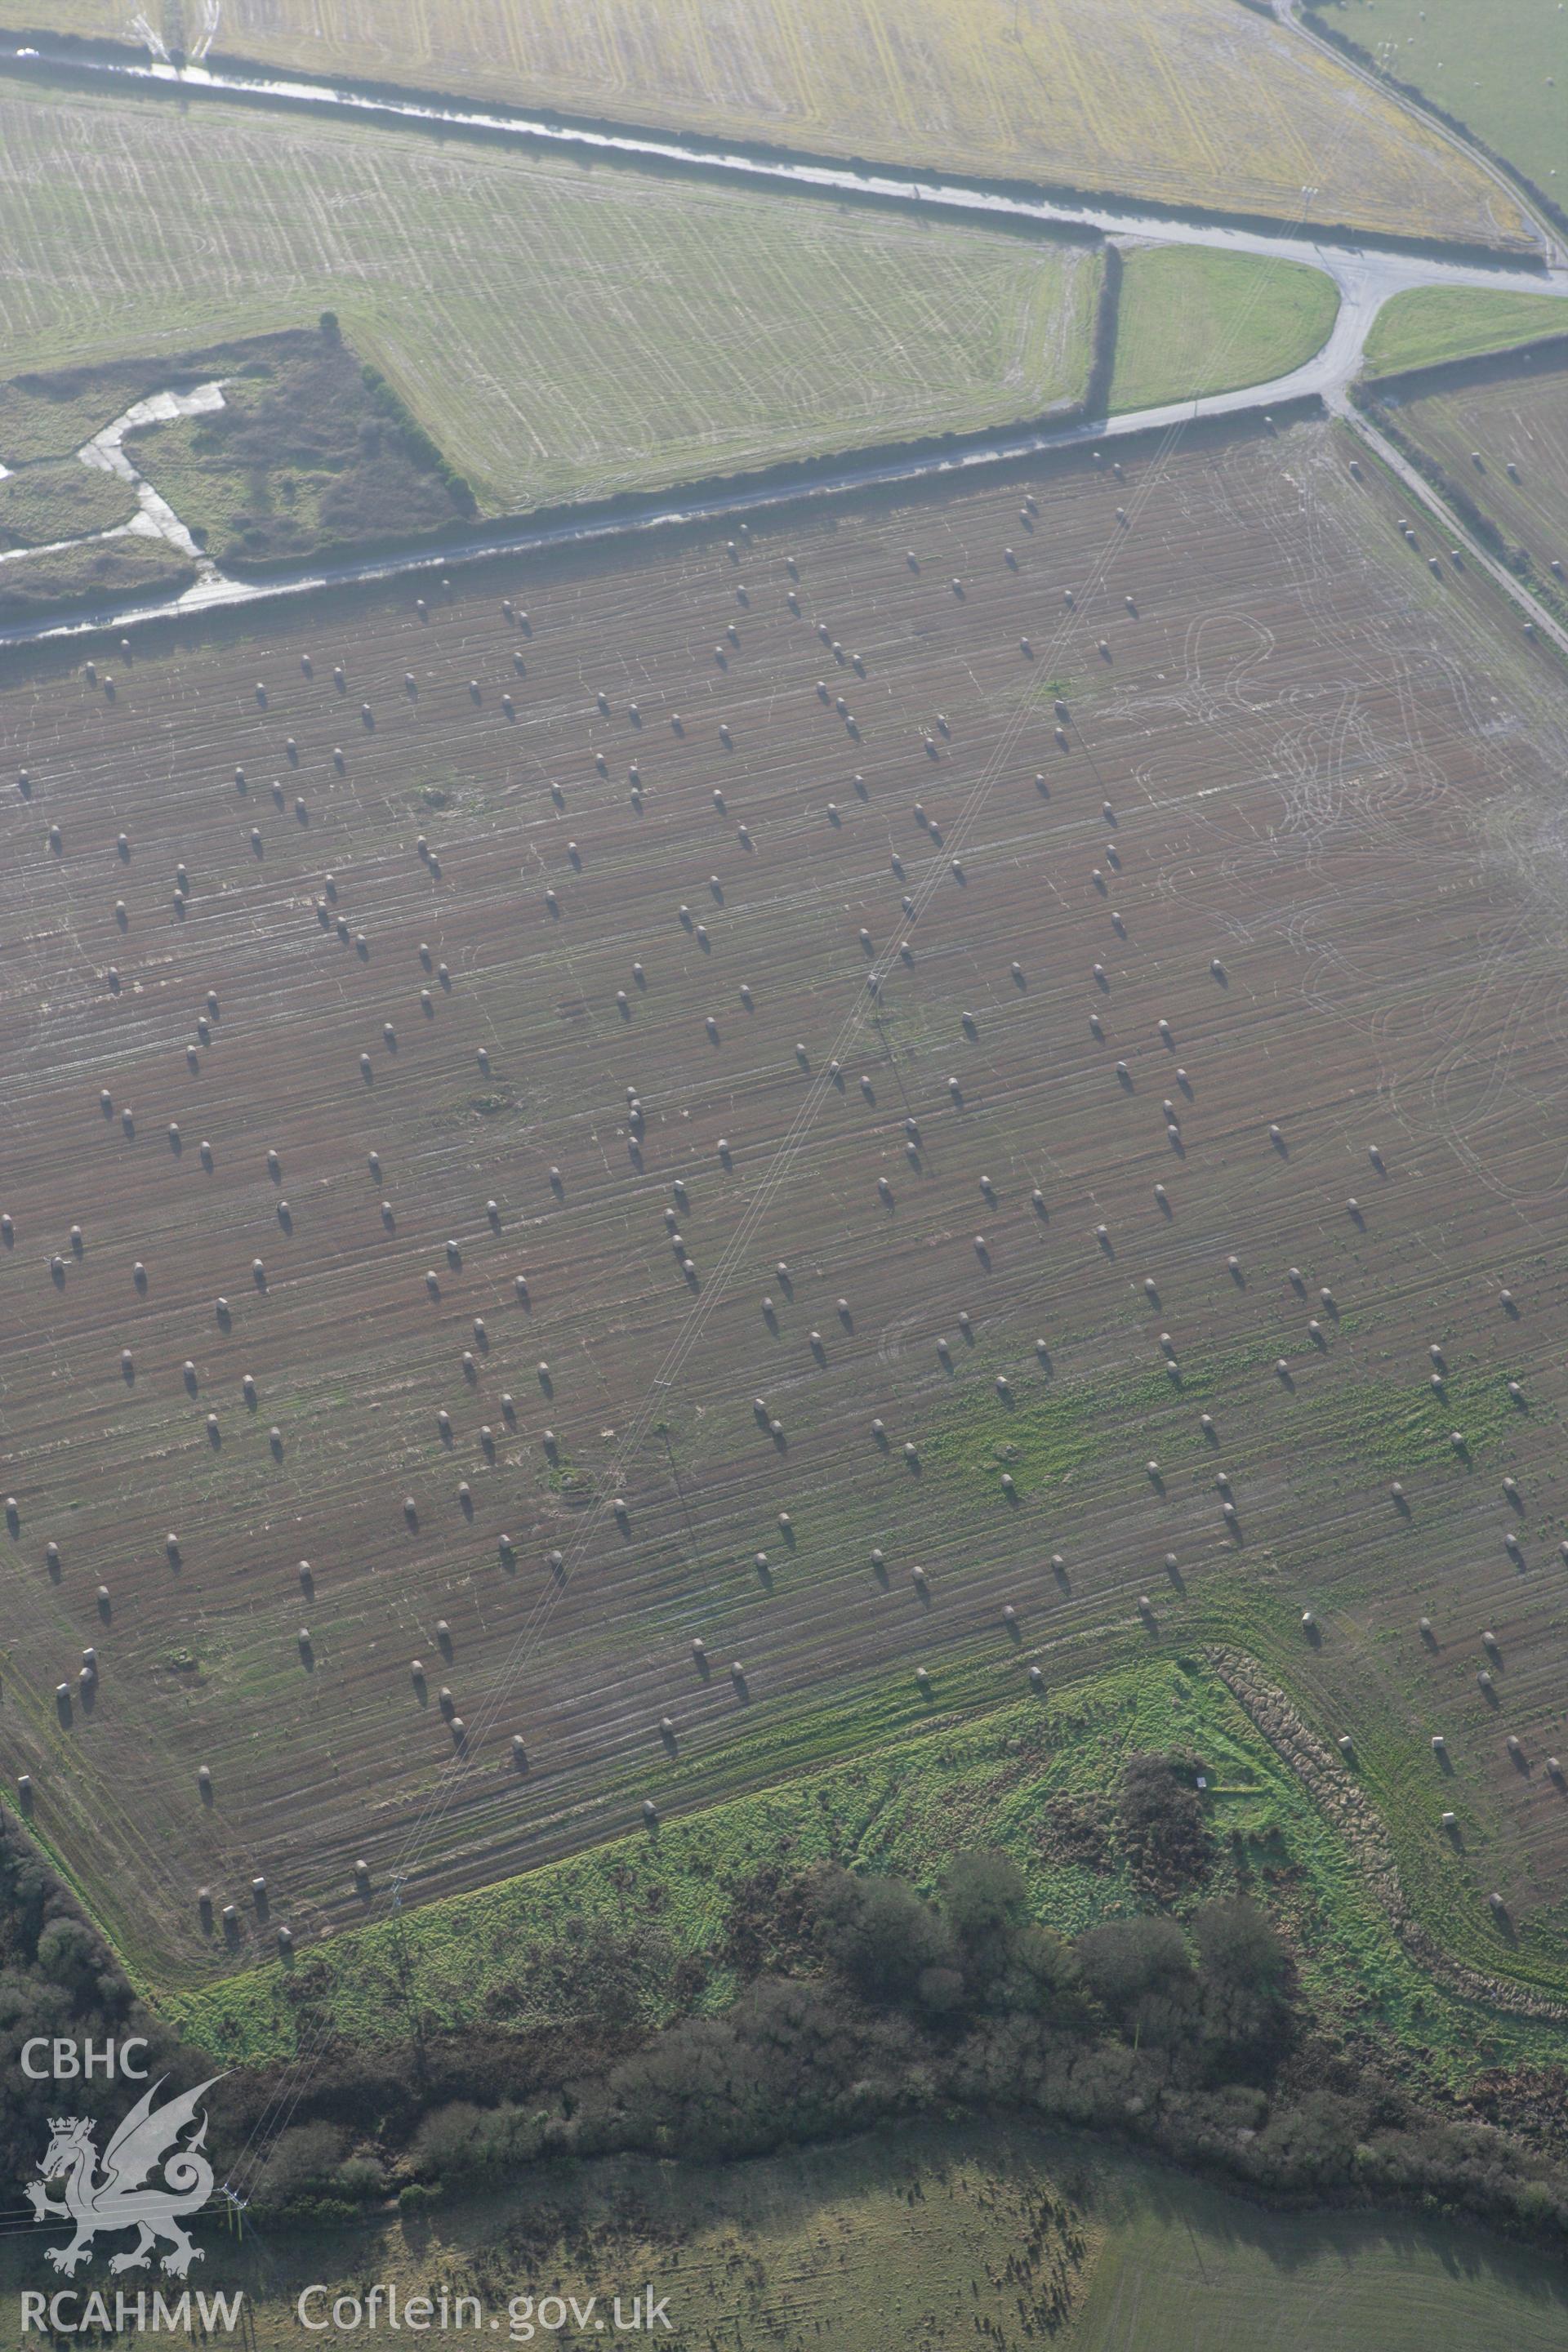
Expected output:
(97, 571)
(309, 452)
(312, 454)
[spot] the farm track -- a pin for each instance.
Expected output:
(1322, 766)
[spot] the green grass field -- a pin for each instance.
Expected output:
(1192, 321)
(934, 2234)
(1504, 74)
(561, 331)
(1433, 323)
(1184, 2268)
(105, 572)
(45, 416)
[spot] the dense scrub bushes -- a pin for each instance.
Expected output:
(310, 455)
(1186, 2035)
(1181, 2029)
(59, 1980)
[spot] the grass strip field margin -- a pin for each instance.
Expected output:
(1192, 321)
(1428, 326)
(539, 1949)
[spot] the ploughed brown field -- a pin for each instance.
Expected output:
(1304, 807)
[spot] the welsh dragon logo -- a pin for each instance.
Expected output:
(121, 2196)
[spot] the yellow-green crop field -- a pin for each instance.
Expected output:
(562, 331)
(1187, 101)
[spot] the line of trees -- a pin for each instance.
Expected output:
(59, 1980)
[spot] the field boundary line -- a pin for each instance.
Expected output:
(1278, 1718)
(1430, 118)
(1542, 622)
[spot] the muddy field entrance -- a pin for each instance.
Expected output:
(427, 1020)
